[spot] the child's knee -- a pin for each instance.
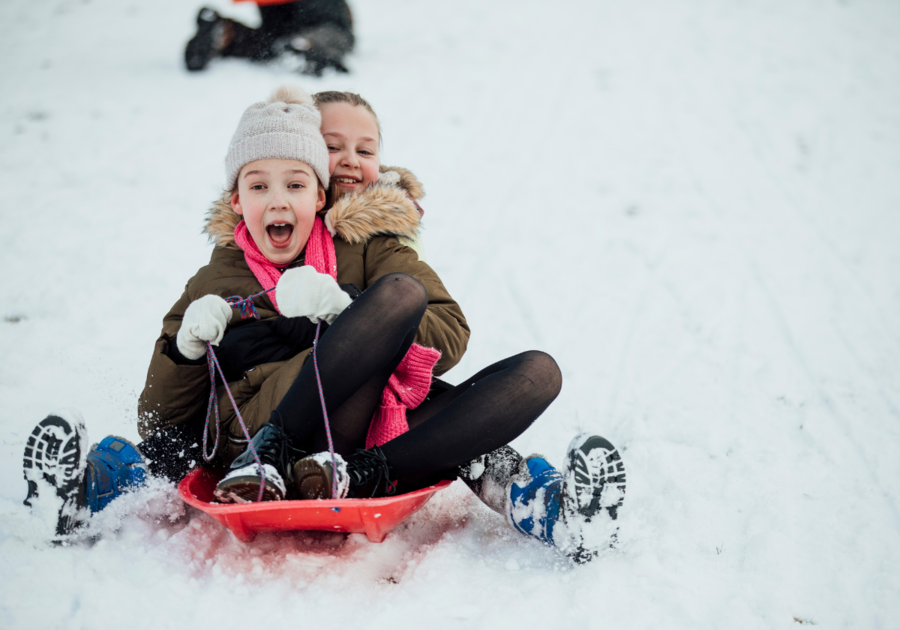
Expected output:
(542, 370)
(405, 293)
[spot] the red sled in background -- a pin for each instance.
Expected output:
(263, 3)
(372, 517)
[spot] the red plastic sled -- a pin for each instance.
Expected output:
(372, 517)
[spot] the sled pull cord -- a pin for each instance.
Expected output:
(334, 487)
(248, 309)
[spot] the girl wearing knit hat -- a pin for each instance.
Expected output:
(376, 367)
(388, 328)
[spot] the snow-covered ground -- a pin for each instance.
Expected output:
(694, 206)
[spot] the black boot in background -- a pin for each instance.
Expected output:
(208, 42)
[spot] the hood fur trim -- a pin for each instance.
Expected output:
(408, 181)
(382, 209)
(221, 221)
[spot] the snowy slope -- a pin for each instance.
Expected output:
(693, 206)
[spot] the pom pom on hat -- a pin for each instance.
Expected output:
(284, 127)
(292, 94)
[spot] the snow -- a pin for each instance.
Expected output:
(692, 206)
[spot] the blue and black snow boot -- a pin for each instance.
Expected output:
(54, 463)
(114, 466)
(557, 508)
(63, 477)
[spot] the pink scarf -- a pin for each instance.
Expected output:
(408, 385)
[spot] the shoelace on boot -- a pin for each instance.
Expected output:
(369, 472)
(276, 447)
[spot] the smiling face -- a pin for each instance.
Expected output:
(351, 134)
(278, 200)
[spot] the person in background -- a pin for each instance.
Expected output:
(319, 33)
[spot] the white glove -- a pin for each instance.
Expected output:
(204, 320)
(303, 292)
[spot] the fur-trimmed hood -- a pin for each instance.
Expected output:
(388, 207)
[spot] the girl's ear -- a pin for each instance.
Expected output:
(320, 203)
(236, 203)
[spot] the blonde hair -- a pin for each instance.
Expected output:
(331, 96)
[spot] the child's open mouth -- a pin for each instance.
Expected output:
(280, 233)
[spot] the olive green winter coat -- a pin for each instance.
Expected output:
(370, 229)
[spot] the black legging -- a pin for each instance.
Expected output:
(357, 355)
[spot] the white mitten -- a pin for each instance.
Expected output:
(204, 320)
(304, 292)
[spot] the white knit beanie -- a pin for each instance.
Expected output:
(284, 127)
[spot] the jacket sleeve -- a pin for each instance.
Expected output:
(172, 393)
(443, 326)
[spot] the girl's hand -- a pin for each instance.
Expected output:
(303, 292)
(204, 320)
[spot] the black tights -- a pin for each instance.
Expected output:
(357, 355)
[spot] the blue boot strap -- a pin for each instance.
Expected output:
(542, 494)
(113, 467)
(124, 451)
